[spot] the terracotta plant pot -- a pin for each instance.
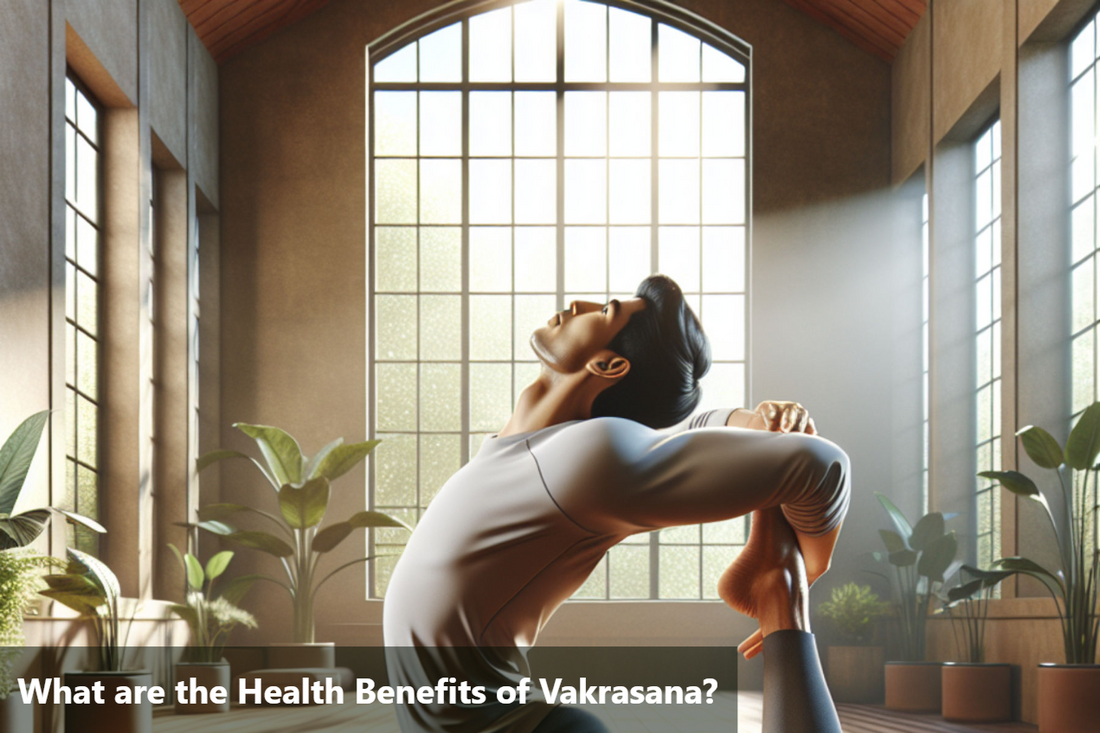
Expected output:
(914, 687)
(977, 693)
(1068, 698)
(295, 656)
(109, 717)
(15, 716)
(208, 675)
(854, 673)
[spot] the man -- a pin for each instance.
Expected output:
(579, 467)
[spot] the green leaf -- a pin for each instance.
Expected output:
(23, 529)
(217, 564)
(187, 613)
(82, 520)
(1041, 447)
(263, 542)
(16, 456)
(220, 455)
(318, 458)
(899, 520)
(179, 556)
(903, 558)
(76, 592)
(892, 540)
(344, 458)
(237, 588)
(305, 507)
(213, 527)
(937, 557)
(1084, 440)
(1022, 565)
(281, 451)
(1015, 482)
(81, 563)
(376, 519)
(966, 590)
(928, 529)
(194, 571)
(331, 536)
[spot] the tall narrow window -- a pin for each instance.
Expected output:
(149, 265)
(925, 299)
(82, 294)
(987, 299)
(521, 159)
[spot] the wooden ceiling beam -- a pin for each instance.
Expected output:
(860, 21)
(856, 39)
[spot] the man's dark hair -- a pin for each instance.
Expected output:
(668, 354)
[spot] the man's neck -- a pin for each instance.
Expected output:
(553, 398)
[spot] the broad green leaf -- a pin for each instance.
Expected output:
(1084, 440)
(1054, 583)
(892, 540)
(937, 557)
(217, 564)
(92, 568)
(179, 556)
(281, 451)
(16, 456)
(1041, 447)
(318, 458)
(903, 558)
(23, 529)
(221, 512)
(305, 507)
(1015, 482)
(220, 455)
(76, 592)
(966, 590)
(236, 589)
(900, 522)
(213, 527)
(928, 529)
(376, 519)
(187, 613)
(81, 520)
(331, 536)
(194, 571)
(263, 542)
(344, 458)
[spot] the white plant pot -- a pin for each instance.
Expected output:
(109, 717)
(15, 715)
(208, 675)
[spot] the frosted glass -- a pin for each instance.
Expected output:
(1082, 228)
(70, 292)
(726, 532)
(536, 191)
(70, 99)
(585, 123)
(718, 67)
(398, 66)
(87, 369)
(1083, 115)
(1082, 50)
(70, 354)
(679, 191)
(441, 123)
(995, 194)
(490, 191)
(724, 191)
(678, 256)
(441, 54)
(631, 46)
(585, 41)
(395, 327)
(585, 191)
(677, 55)
(395, 396)
(490, 259)
(723, 386)
(440, 327)
(723, 259)
(87, 498)
(393, 539)
(996, 249)
(629, 571)
(440, 259)
(629, 191)
(70, 233)
(384, 565)
(679, 572)
(491, 46)
(630, 117)
(440, 397)
(536, 266)
(536, 40)
(395, 259)
(629, 253)
(984, 357)
(1082, 368)
(70, 164)
(983, 302)
(490, 396)
(490, 123)
(983, 251)
(678, 124)
(440, 192)
(585, 259)
(680, 535)
(87, 179)
(525, 373)
(395, 470)
(476, 440)
(536, 123)
(985, 410)
(394, 123)
(395, 191)
(596, 585)
(723, 124)
(87, 303)
(490, 327)
(440, 458)
(87, 118)
(724, 323)
(715, 562)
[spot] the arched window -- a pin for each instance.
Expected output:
(521, 157)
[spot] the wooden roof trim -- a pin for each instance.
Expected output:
(237, 42)
(817, 14)
(862, 22)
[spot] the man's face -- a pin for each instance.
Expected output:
(580, 333)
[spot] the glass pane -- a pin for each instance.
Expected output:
(536, 123)
(536, 40)
(724, 259)
(532, 312)
(70, 292)
(440, 327)
(441, 123)
(87, 503)
(490, 396)
(723, 386)
(723, 124)
(630, 257)
(631, 46)
(726, 532)
(715, 562)
(70, 233)
(399, 66)
(585, 191)
(70, 164)
(395, 259)
(441, 54)
(1082, 50)
(440, 397)
(596, 585)
(678, 55)
(70, 354)
(585, 259)
(491, 46)
(983, 302)
(395, 326)
(629, 571)
(476, 439)
(395, 470)
(1083, 370)
(718, 67)
(490, 191)
(680, 535)
(396, 396)
(985, 413)
(490, 123)
(1083, 229)
(679, 191)
(724, 191)
(87, 365)
(724, 323)
(536, 270)
(490, 327)
(87, 179)
(440, 192)
(629, 192)
(631, 119)
(87, 423)
(70, 440)
(983, 251)
(394, 123)
(678, 123)
(678, 256)
(585, 123)
(395, 192)
(70, 99)
(525, 374)
(87, 119)
(440, 458)
(87, 303)
(585, 41)
(679, 575)
(441, 259)
(983, 151)
(995, 198)
(536, 191)
(490, 259)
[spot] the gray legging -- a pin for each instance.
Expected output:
(796, 699)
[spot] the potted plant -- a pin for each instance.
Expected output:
(90, 588)
(921, 557)
(302, 490)
(974, 691)
(1067, 692)
(211, 619)
(855, 668)
(19, 583)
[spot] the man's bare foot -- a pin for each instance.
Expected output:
(768, 579)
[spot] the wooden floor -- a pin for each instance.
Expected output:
(716, 718)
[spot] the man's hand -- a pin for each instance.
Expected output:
(776, 417)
